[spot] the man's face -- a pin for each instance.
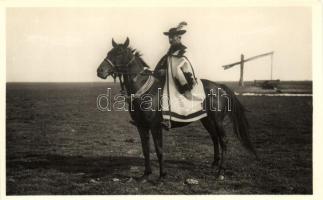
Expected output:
(175, 39)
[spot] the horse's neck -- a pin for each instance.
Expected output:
(135, 81)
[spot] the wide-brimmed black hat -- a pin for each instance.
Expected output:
(177, 30)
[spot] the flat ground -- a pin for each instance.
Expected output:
(59, 143)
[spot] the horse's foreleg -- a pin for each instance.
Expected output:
(144, 136)
(158, 141)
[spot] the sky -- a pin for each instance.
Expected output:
(68, 44)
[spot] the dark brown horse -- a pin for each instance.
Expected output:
(123, 62)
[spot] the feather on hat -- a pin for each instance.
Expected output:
(177, 30)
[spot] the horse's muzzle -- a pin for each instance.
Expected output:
(100, 74)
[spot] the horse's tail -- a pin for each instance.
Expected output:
(240, 122)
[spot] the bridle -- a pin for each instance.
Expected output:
(121, 70)
(116, 68)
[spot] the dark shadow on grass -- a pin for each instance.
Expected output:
(93, 166)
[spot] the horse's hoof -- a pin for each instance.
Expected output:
(147, 173)
(220, 172)
(215, 164)
(142, 179)
(162, 175)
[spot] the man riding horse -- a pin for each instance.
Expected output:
(181, 69)
(122, 61)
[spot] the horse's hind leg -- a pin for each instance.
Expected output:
(158, 141)
(144, 136)
(221, 132)
(210, 127)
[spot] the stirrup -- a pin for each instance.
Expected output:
(166, 125)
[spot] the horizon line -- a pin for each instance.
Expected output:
(307, 80)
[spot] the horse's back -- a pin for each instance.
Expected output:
(211, 86)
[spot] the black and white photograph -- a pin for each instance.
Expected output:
(159, 100)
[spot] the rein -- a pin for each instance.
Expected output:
(123, 70)
(118, 71)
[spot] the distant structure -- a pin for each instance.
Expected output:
(243, 61)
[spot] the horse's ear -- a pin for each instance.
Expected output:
(114, 44)
(126, 43)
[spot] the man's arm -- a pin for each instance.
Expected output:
(180, 70)
(160, 70)
(184, 76)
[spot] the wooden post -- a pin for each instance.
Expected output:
(241, 70)
(243, 60)
(271, 66)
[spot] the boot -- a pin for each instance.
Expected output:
(166, 124)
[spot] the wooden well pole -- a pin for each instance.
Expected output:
(271, 66)
(241, 70)
(243, 60)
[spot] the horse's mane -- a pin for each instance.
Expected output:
(138, 55)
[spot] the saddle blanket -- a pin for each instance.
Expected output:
(181, 108)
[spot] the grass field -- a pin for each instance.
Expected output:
(57, 142)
